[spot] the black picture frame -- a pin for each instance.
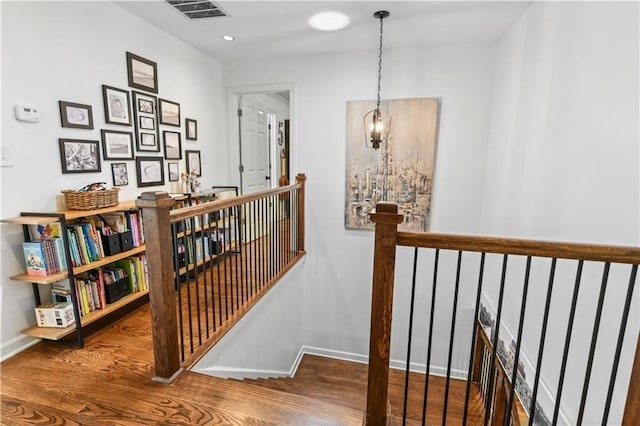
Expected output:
(146, 123)
(190, 129)
(117, 145)
(168, 112)
(142, 73)
(76, 116)
(149, 171)
(117, 108)
(172, 145)
(193, 162)
(79, 156)
(173, 172)
(120, 174)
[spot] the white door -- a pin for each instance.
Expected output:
(254, 146)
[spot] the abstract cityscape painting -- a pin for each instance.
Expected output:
(400, 171)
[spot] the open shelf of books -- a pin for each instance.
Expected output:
(93, 263)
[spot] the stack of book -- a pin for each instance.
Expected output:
(44, 257)
(85, 244)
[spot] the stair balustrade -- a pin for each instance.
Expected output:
(210, 263)
(495, 376)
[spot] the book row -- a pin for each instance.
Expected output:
(45, 257)
(98, 288)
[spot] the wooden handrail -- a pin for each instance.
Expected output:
(191, 211)
(578, 251)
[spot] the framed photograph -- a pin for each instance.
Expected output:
(117, 109)
(147, 139)
(172, 145)
(174, 172)
(117, 145)
(120, 174)
(145, 106)
(150, 171)
(79, 156)
(147, 123)
(169, 113)
(142, 73)
(191, 129)
(78, 116)
(145, 113)
(193, 162)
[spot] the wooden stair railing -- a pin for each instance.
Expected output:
(165, 270)
(497, 410)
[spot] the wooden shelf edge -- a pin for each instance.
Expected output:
(30, 220)
(59, 333)
(39, 279)
(123, 206)
(108, 259)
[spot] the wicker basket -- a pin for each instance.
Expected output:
(87, 200)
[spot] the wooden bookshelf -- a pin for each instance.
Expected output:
(108, 259)
(47, 279)
(59, 333)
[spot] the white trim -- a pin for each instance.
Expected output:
(15, 346)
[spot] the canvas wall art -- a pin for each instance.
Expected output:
(401, 171)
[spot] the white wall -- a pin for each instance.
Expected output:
(339, 265)
(563, 164)
(55, 51)
(267, 341)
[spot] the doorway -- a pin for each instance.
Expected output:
(261, 120)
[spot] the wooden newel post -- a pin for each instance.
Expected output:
(300, 180)
(155, 208)
(386, 219)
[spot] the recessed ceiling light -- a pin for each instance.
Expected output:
(329, 20)
(228, 38)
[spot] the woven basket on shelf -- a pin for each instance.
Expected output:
(87, 200)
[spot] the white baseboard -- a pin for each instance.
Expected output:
(16, 345)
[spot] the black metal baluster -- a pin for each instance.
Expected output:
(233, 262)
(453, 329)
(176, 267)
(205, 240)
(194, 247)
(189, 258)
(411, 309)
(494, 342)
(429, 338)
(265, 240)
(474, 336)
(246, 247)
(211, 264)
(254, 248)
(219, 273)
(567, 341)
(616, 358)
(594, 340)
(272, 239)
(514, 373)
(543, 334)
(224, 257)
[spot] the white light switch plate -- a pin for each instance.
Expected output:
(6, 156)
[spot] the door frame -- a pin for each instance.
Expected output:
(233, 96)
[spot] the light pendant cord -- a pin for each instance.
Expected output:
(379, 64)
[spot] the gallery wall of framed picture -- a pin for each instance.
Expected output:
(132, 121)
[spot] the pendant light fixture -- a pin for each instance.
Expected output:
(377, 122)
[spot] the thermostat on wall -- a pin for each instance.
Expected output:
(27, 113)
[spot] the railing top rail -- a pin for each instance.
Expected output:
(559, 250)
(191, 211)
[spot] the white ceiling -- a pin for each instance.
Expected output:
(266, 28)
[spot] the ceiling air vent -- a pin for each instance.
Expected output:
(197, 9)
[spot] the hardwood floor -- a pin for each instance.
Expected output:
(108, 382)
